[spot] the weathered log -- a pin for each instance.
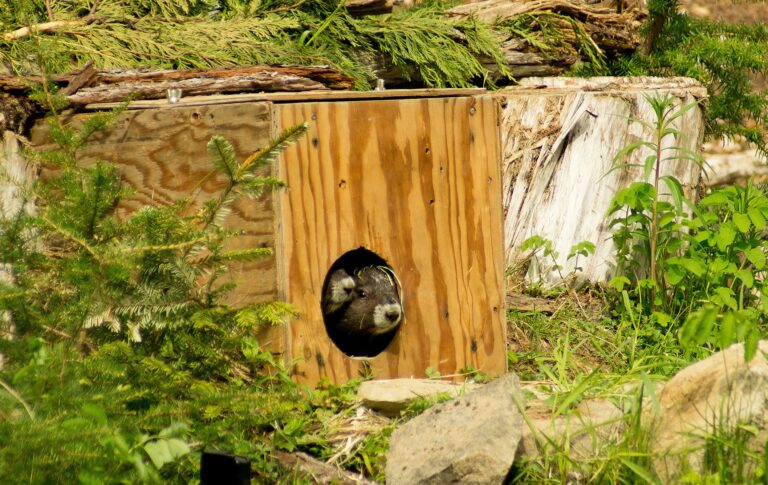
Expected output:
(325, 75)
(366, 7)
(86, 86)
(612, 31)
(559, 139)
(106, 93)
(16, 175)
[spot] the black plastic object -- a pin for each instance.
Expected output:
(219, 468)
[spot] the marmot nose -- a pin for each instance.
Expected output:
(392, 315)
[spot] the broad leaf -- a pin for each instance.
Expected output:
(743, 222)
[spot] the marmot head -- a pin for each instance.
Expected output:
(362, 317)
(375, 300)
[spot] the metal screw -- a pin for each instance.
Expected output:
(173, 95)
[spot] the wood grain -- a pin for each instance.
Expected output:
(417, 181)
(162, 155)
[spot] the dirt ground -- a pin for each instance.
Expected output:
(739, 11)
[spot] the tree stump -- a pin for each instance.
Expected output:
(559, 139)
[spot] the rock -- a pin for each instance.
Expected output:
(733, 161)
(711, 396)
(390, 396)
(471, 439)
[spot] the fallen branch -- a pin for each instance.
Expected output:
(91, 86)
(48, 27)
(110, 93)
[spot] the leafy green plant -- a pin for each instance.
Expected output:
(539, 245)
(704, 269)
(723, 57)
(647, 224)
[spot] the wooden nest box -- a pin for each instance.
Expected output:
(411, 177)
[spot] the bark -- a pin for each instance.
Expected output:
(109, 93)
(90, 86)
(365, 7)
(559, 139)
(612, 29)
(82, 78)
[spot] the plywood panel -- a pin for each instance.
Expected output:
(162, 155)
(418, 182)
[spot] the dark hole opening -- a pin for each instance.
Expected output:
(361, 303)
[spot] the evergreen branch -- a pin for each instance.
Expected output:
(51, 27)
(223, 155)
(275, 146)
(16, 396)
(163, 247)
(73, 238)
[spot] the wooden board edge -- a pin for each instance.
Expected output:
(280, 271)
(292, 97)
(498, 104)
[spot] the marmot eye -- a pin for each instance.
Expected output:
(362, 293)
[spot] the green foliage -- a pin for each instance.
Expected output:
(538, 245)
(420, 43)
(723, 57)
(699, 273)
(125, 362)
(402, 38)
(78, 267)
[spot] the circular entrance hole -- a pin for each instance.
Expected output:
(362, 303)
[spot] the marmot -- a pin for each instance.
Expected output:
(361, 318)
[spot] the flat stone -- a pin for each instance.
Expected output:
(391, 396)
(470, 439)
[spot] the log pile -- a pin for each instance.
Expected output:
(607, 29)
(610, 26)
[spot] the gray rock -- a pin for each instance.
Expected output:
(391, 396)
(471, 439)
